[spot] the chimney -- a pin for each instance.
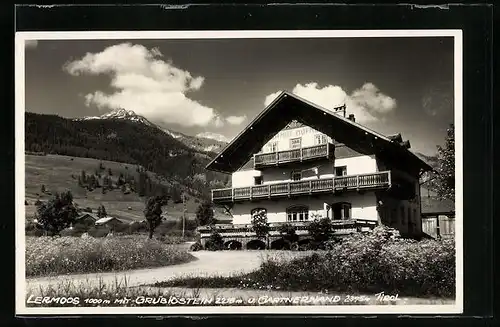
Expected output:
(351, 117)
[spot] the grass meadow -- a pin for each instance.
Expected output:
(47, 256)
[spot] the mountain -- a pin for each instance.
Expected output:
(121, 138)
(203, 143)
(430, 160)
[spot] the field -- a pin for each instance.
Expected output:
(60, 173)
(70, 255)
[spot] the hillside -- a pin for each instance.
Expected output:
(198, 143)
(59, 173)
(124, 140)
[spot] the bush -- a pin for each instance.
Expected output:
(362, 263)
(63, 255)
(215, 242)
(373, 262)
(259, 223)
(196, 246)
(288, 232)
(320, 229)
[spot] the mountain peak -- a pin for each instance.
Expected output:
(213, 136)
(122, 113)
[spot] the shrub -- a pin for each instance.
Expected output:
(320, 229)
(362, 263)
(63, 255)
(259, 223)
(196, 246)
(215, 242)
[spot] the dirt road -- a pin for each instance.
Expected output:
(207, 264)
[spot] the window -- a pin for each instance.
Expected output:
(296, 175)
(258, 180)
(272, 147)
(319, 139)
(296, 143)
(342, 211)
(297, 213)
(341, 171)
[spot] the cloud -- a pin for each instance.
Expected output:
(236, 120)
(147, 84)
(367, 103)
(270, 98)
(30, 44)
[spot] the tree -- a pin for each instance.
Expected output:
(445, 179)
(57, 213)
(101, 211)
(205, 214)
(153, 211)
(259, 223)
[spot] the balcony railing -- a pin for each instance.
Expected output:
(302, 154)
(246, 230)
(315, 186)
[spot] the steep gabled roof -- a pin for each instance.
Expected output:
(287, 107)
(107, 220)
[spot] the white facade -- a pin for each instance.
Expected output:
(287, 139)
(325, 169)
(363, 207)
(401, 214)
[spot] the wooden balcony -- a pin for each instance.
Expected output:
(262, 160)
(377, 180)
(246, 230)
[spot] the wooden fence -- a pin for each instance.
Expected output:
(443, 226)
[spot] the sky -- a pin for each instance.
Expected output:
(217, 86)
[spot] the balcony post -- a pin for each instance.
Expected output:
(232, 194)
(251, 193)
(254, 163)
(389, 178)
(288, 188)
(300, 153)
(310, 187)
(357, 182)
(212, 195)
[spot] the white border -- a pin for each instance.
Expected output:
(22, 37)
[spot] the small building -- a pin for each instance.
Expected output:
(86, 219)
(297, 161)
(110, 222)
(438, 215)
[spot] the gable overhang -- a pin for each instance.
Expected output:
(287, 107)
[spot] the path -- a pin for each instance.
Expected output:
(208, 263)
